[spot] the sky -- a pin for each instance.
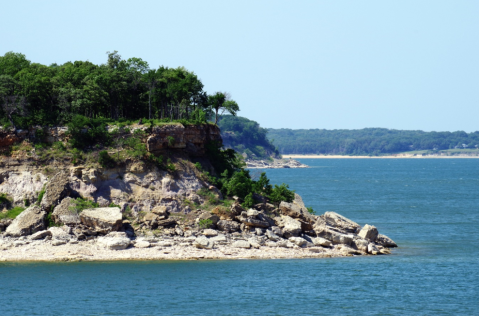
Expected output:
(289, 64)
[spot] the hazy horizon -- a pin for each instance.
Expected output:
(315, 64)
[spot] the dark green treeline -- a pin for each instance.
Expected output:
(35, 94)
(367, 141)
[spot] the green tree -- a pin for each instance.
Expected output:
(221, 101)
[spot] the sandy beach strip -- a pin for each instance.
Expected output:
(89, 251)
(375, 157)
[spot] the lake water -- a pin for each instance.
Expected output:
(430, 207)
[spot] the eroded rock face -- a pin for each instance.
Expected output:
(104, 218)
(28, 222)
(21, 184)
(192, 139)
(56, 189)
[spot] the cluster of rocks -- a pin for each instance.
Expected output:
(289, 225)
(275, 164)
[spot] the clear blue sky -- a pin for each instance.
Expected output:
(291, 64)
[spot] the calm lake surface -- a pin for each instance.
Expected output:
(430, 207)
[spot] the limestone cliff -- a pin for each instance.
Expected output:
(135, 183)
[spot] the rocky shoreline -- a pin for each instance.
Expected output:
(275, 164)
(263, 232)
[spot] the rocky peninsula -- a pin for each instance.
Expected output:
(140, 211)
(274, 164)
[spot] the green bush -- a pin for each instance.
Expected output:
(87, 132)
(310, 210)
(59, 146)
(281, 193)
(205, 223)
(240, 184)
(248, 201)
(105, 160)
(135, 147)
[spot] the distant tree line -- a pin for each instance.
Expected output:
(367, 141)
(35, 94)
(246, 136)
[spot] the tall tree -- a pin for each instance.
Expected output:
(221, 101)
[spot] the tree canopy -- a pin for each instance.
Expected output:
(35, 94)
(367, 141)
(246, 136)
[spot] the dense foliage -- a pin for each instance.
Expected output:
(35, 94)
(233, 180)
(246, 136)
(368, 141)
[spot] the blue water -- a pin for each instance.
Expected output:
(430, 207)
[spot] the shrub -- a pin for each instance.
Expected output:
(310, 210)
(59, 146)
(41, 194)
(82, 204)
(205, 223)
(87, 132)
(128, 214)
(248, 201)
(135, 147)
(281, 193)
(240, 184)
(105, 160)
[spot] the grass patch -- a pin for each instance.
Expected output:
(13, 213)
(40, 196)
(82, 204)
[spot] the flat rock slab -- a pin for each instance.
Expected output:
(241, 244)
(109, 218)
(28, 222)
(114, 243)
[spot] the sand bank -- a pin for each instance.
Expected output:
(90, 251)
(375, 157)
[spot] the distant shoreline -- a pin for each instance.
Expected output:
(401, 156)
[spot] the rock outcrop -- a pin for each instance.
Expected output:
(65, 212)
(105, 218)
(56, 189)
(28, 222)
